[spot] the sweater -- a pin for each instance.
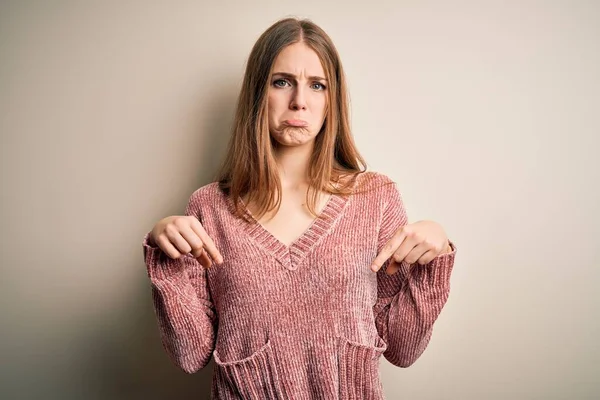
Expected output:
(306, 321)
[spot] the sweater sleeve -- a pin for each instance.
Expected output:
(410, 300)
(186, 316)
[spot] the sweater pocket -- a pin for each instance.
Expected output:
(359, 370)
(254, 377)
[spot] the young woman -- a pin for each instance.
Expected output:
(296, 269)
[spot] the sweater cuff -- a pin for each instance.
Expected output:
(159, 266)
(434, 274)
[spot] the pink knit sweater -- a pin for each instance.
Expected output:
(305, 321)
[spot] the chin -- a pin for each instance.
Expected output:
(292, 136)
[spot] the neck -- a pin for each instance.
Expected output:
(293, 163)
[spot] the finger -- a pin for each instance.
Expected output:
(427, 257)
(178, 240)
(387, 250)
(193, 240)
(401, 253)
(197, 252)
(413, 239)
(167, 247)
(416, 253)
(209, 245)
(392, 267)
(204, 260)
(404, 249)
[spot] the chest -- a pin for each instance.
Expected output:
(327, 256)
(293, 217)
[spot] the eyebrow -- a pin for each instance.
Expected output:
(288, 75)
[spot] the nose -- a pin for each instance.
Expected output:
(298, 101)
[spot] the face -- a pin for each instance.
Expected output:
(297, 96)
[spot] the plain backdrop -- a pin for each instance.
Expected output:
(485, 112)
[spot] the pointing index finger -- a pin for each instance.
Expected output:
(387, 250)
(208, 243)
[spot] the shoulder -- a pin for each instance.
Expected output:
(376, 183)
(206, 196)
(374, 191)
(385, 194)
(208, 191)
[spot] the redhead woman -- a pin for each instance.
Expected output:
(296, 269)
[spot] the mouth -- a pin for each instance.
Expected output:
(295, 122)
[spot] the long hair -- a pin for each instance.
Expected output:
(250, 166)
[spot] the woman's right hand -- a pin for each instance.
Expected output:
(179, 235)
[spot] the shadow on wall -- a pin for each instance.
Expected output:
(128, 360)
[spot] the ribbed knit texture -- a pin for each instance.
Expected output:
(305, 321)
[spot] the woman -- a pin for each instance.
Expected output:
(297, 269)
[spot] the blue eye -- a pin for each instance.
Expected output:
(280, 83)
(319, 86)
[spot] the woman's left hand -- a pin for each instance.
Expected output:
(419, 242)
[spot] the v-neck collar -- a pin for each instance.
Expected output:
(292, 256)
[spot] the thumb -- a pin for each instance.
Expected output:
(392, 267)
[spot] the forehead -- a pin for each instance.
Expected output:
(299, 59)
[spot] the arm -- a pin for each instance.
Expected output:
(410, 300)
(186, 316)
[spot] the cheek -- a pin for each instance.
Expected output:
(321, 105)
(276, 102)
